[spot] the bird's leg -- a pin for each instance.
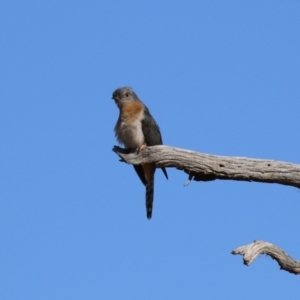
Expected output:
(139, 149)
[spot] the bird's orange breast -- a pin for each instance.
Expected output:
(129, 127)
(132, 111)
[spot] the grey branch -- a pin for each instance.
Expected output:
(206, 167)
(251, 251)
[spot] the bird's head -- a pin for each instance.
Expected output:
(124, 95)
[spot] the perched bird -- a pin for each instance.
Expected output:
(136, 129)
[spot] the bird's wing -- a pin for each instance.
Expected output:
(151, 132)
(139, 170)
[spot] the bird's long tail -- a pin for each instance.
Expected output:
(149, 170)
(149, 197)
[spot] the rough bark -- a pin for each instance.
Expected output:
(251, 251)
(206, 167)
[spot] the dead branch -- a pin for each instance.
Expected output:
(206, 167)
(251, 251)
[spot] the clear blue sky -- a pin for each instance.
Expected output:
(220, 77)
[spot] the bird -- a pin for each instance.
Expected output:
(137, 129)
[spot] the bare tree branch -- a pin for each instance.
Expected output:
(206, 167)
(251, 251)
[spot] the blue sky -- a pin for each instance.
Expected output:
(220, 77)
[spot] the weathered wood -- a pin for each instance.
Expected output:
(251, 251)
(206, 167)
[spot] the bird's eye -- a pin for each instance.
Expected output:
(126, 95)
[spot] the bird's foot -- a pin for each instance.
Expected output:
(141, 148)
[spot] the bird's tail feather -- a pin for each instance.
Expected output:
(149, 197)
